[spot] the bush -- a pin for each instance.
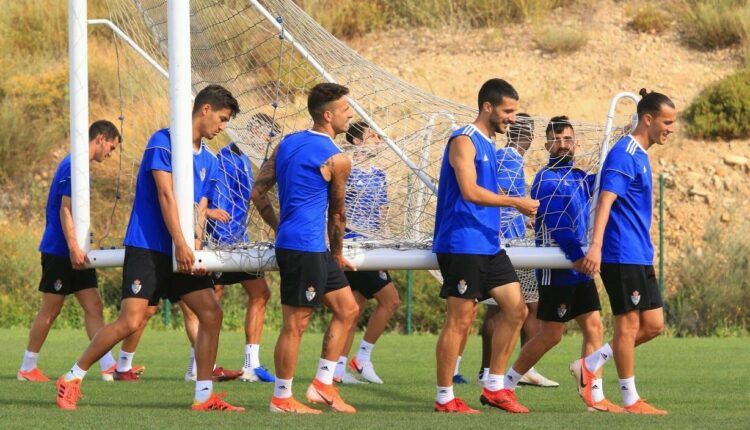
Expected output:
(721, 111)
(650, 19)
(714, 293)
(711, 24)
(559, 40)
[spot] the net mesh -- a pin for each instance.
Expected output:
(390, 196)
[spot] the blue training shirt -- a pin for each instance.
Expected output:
(463, 227)
(232, 193)
(53, 240)
(564, 193)
(627, 173)
(205, 172)
(146, 228)
(366, 193)
(303, 192)
(511, 181)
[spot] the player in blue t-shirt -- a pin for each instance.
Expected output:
(311, 172)
(621, 247)
(467, 244)
(511, 180)
(64, 269)
(147, 270)
(231, 195)
(366, 206)
(564, 294)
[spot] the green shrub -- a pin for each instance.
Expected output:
(560, 40)
(721, 111)
(711, 24)
(714, 285)
(649, 18)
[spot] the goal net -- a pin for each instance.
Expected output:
(269, 54)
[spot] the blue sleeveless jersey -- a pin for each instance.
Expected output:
(463, 227)
(303, 193)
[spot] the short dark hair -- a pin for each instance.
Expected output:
(556, 125)
(322, 94)
(523, 128)
(218, 97)
(652, 102)
(356, 131)
(494, 91)
(105, 128)
(261, 118)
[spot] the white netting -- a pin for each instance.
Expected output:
(391, 199)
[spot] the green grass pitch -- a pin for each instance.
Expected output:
(704, 383)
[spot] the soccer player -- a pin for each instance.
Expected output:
(467, 244)
(621, 249)
(64, 269)
(147, 273)
(563, 192)
(311, 172)
(366, 204)
(511, 179)
(232, 196)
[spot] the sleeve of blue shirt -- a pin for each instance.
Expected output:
(618, 172)
(64, 188)
(209, 186)
(158, 156)
(552, 211)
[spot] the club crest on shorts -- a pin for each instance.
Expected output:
(562, 310)
(635, 298)
(310, 293)
(461, 287)
(135, 287)
(202, 174)
(383, 275)
(57, 285)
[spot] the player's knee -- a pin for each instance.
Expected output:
(349, 314)
(49, 314)
(550, 338)
(393, 305)
(654, 329)
(212, 317)
(93, 310)
(517, 315)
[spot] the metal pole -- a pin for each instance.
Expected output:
(409, 301)
(180, 114)
(167, 311)
(661, 233)
(79, 120)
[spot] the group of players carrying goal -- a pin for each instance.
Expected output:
(322, 200)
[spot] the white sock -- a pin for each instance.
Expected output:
(125, 361)
(252, 356)
(598, 358)
(597, 390)
(29, 360)
(340, 367)
(203, 390)
(457, 370)
(191, 363)
(494, 382)
(445, 394)
(283, 388)
(325, 371)
(75, 373)
(511, 379)
(485, 374)
(364, 351)
(107, 361)
(628, 391)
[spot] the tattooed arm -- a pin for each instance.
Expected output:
(259, 194)
(336, 170)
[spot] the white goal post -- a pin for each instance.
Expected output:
(251, 258)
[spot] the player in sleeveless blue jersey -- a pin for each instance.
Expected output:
(563, 192)
(511, 180)
(467, 244)
(311, 172)
(147, 270)
(366, 206)
(231, 196)
(621, 247)
(64, 269)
